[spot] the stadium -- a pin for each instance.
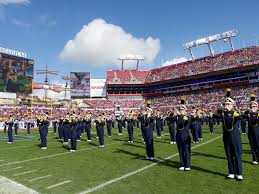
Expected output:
(185, 127)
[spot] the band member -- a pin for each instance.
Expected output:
(60, 129)
(16, 127)
(171, 125)
(10, 124)
(211, 121)
(88, 122)
(66, 131)
(73, 127)
(55, 123)
(252, 116)
(142, 126)
(130, 121)
(231, 137)
(200, 123)
(78, 127)
(194, 126)
(28, 126)
(100, 123)
(44, 123)
(159, 123)
(119, 120)
(243, 124)
(149, 128)
(109, 125)
(183, 138)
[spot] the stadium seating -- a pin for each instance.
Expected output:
(102, 104)
(228, 60)
(223, 61)
(130, 76)
(206, 99)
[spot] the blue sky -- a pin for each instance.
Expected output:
(42, 28)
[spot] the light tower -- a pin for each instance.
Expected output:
(46, 72)
(208, 40)
(137, 58)
(66, 78)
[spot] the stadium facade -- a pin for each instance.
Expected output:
(238, 68)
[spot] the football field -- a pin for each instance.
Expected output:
(120, 167)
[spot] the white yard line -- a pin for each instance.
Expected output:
(12, 169)
(58, 184)
(28, 172)
(9, 186)
(53, 155)
(100, 186)
(38, 178)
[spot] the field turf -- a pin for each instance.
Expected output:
(121, 167)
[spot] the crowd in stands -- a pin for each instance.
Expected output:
(106, 104)
(223, 61)
(207, 99)
(203, 99)
(228, 60)
(127, 76)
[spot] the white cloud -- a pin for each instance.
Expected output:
(174, 61)
(20, 23)
(99, 43)
(6, 2)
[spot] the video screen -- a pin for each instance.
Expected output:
(80, 84)
(16, 74)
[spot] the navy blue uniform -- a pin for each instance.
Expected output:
(100, 128)
(149, 128)
(43, 127)
(211, 123)
(28, 125)
(130, 126)
(16, 126)
(55, 126)
(253, 133)
(60, 129)
(109, 126)
(142, 126)
(243, 125)
(171, 122)
(159, 123)
(87, 126)
(183, 140)
(79, 127)
(73, 128)
(120, 125)
(194, 126)
(232, 140)
(10, 131)
(66, 131)
(200, 123)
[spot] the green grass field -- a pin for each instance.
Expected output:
(120, 167)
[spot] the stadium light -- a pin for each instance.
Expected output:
(46, 72)
(66, 78)
(208, 40)
(131, 57)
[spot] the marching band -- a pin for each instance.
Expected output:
(184, 128)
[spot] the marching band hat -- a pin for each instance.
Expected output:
(182, 106)
(228, 100)
(253, 100)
